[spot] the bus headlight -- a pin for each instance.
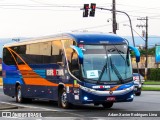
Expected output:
(132, 96)
(85, 98)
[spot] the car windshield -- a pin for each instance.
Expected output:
(106, 63)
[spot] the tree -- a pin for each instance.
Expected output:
(151, 51)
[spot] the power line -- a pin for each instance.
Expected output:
(93, 27)
(44, 3)
(60, 6)
(39, 7)
(24, 5)
(142, 7)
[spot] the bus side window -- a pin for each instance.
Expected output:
(38, 53)
(21, 51)
(8, 58)
(57, 52)
(74, 67)
(74, 61)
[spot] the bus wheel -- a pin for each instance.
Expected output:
(138, 94)
(62, 99)
(19, 98)
(107, 104)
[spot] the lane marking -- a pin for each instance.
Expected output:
(28, 106)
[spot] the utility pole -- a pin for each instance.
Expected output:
(114, 24)
(146, 43)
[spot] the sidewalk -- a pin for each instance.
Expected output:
(5, 106)
(151, 86)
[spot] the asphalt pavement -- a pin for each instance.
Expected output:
(148, 102)
(6, 106)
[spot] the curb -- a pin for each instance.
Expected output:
(7, 106)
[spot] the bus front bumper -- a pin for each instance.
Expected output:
(88, 96)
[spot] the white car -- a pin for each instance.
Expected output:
(137, 85)
(137, 88)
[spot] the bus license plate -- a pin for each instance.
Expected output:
(111, 99)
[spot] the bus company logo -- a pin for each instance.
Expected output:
(6, 114)
(110, 92)
(100, 87)
(54, 72)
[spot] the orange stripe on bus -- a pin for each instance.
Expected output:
(39, 81)
(29, 76)
(69, 85)
(114, 88)
(24, 67)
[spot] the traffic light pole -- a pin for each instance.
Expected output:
(126, 15)
(114, 25)
(93, 6)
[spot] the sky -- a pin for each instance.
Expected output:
(35, 18)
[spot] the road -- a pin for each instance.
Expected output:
(148, 101)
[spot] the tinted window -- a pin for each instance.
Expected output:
(38, 53)
(57, 51)
(7, 57)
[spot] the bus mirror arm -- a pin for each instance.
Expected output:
(79, 52)
(137, 53)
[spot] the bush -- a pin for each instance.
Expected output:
(154, 74)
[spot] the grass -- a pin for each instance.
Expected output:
(150, 88)
(148, 82)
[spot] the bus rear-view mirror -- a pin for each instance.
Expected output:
(136, 52)
(79, 52)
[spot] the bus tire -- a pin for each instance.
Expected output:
(138, 94)
(107, 104)
(19, 98)
(62, 99)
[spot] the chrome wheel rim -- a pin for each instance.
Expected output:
(64, 99)
(19, 95)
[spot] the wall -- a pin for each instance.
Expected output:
(141, 64)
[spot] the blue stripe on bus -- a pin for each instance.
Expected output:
(42, 73)
(9, 67)
(12, 80)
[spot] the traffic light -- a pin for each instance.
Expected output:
(92, 11)
(85, 11)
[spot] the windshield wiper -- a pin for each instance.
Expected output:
(126, 60)
(119, 52)
(104, 67)
(116, 71)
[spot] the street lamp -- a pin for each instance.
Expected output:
(126, 15)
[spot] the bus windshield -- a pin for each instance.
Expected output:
(106, 63)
